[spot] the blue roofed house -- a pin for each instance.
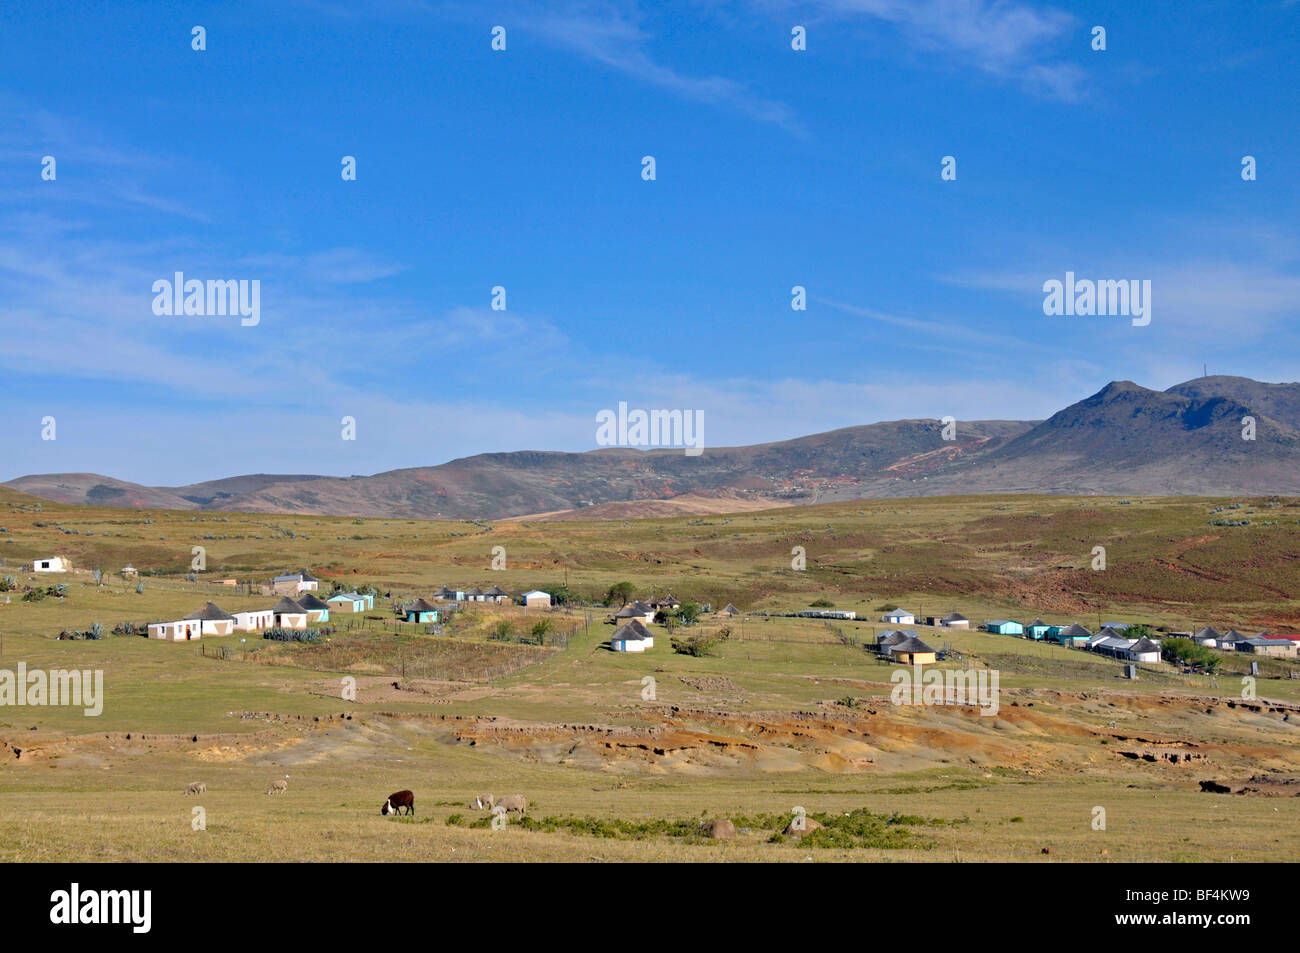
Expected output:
(352, 601)
(293, 583)
(1004, 627)
(1111, 642)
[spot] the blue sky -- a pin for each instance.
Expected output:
(522, 169)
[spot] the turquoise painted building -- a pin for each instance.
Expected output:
(421, 611)
(1037, 629)
(1073, 636)
(1004, 627)
(353, 601)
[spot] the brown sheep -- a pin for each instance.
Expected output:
(196, 787)
(397, 801)
(484, 802)
(278, 786)
(514, 804)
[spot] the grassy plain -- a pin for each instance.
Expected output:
(787, 713)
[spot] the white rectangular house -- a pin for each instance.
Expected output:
(254, 620)
(52, 564)
(537, 599)
(213, 620)
(182, 630)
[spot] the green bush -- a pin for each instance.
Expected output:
(1185, 650)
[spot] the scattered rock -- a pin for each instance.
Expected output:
(808, 825)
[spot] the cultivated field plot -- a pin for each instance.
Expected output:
(626, 756)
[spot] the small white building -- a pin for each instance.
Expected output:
(537, 599)
(636, 610)
(254, 620)
(899, 617)
(290, 584)
(632, 637)
(212, 620)
(180, 631)
(1207, 636)
(1144, 650)
(52, 564)
(289, 615)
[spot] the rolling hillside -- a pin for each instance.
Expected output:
(1123, 439)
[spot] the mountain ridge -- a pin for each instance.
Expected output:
(1125, 438)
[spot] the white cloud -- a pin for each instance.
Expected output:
(1003, 38)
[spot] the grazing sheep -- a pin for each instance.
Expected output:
(514, 804)
(278, 786)
(484, 802)
(395, 803)
(196, 787)
(722, 828)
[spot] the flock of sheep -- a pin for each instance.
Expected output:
(399, 800)
(278, 786)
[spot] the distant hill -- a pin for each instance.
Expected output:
(1127, 439)
(1123, 439)
(1281, 402)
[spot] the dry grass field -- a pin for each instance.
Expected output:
(787, 713)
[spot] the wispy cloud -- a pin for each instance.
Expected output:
(335, 266)
(1203, 298)
(92, 172)
(612, 34)
(1007, 39)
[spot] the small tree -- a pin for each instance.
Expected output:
(620, 593)
(700, 644)
(560, 595)
(541, 628)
